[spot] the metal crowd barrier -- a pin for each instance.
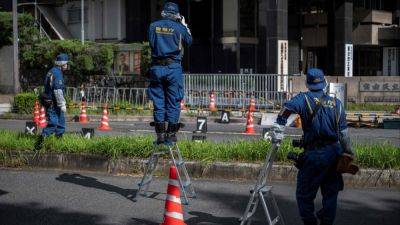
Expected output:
(232, 92)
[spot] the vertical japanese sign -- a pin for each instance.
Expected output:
(283, 57)
(348, 60)
(390, 61)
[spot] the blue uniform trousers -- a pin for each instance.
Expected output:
(166, 92)
(56, 122)
(319, 171)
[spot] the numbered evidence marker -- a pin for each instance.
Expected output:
(199, 135)
(225, 117)
(88, 133)
(30, 128)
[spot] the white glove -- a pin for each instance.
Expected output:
(183, 21)
(64, 108)
(277, 132)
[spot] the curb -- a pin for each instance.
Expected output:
(366, 178)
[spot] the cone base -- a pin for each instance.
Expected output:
(104, 128)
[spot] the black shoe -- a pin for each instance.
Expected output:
(310, 222)
(160, 131)
(39, 143)
(173, 128)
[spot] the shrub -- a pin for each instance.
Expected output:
(24, 102)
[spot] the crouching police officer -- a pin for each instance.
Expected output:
(325, 139)
(167, 37)
(54, 101)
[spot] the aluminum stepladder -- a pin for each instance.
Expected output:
(176, 158)
(262, 192)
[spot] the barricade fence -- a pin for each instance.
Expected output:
(232, 92)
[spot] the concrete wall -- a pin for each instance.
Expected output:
(353, 88)
(6, 70)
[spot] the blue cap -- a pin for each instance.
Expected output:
(62, 59)
(170, 7)
(315, 79)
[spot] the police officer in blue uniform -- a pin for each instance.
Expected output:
(325, 139)
(54, 96)
(167, 38)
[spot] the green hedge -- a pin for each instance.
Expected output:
(24, 102)
(383, 156)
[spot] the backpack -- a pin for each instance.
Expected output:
(323, 120)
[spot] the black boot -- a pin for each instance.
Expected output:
(171, 132)
(310, 222)
(39, 143)
(160, 131)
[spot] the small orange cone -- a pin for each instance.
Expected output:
(43, 121)
(83, 116)
(104, 120)
(250, 124)
(212, 106)
(252, 107)
(36, 113)
(173, 214)
(183, 107)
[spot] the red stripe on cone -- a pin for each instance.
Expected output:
(83, 115)
(250, 124)
(43, 121)
(36, 113)
(104, 120)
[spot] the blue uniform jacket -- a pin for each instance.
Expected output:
(298, 104)
(166, 39)
(53, 81)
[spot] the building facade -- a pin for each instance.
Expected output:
(342, 37)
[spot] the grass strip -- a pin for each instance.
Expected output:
(382, 156)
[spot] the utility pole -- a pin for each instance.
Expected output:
(17, 85)
(83, 21)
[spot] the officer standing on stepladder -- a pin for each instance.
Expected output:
(53, 100)
(167, 37)
(325, 139)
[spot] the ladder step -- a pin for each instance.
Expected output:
(263, 190)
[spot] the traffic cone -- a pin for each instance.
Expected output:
(252, 107)
(183, 107)
(173, 214)
(43, 121)
(250, 124)
(36, 113)
(83, 116)
(212, 105)
(104, 120)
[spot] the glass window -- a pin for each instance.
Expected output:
(74, 14)
(248, 16)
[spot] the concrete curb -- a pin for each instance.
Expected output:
(366, 178)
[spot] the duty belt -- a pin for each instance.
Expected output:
(162, 61)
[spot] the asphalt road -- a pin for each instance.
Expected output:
(216, 131)
(63, 197)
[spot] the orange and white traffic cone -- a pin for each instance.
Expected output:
(252, 107)
(212, 106)
(43, 121)
(250, 124)
(83, 116)
(183, 107)
(104, 120)
(173, 214)
(36, 113)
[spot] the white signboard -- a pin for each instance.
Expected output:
(283, 58)
(338, 90)
(348, 60)
(391, 61)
